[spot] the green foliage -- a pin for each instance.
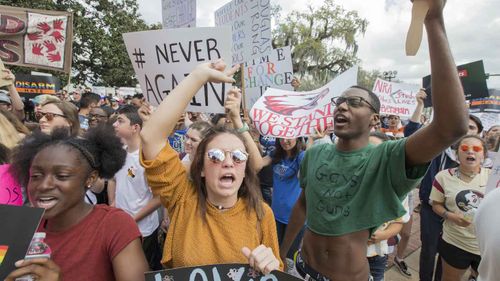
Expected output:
(323, 41)
(99, 53)
(367, 78)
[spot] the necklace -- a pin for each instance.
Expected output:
(219, 207)
(460, 174)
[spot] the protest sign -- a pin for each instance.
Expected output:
(178, 13)
(250, 21)
(3, 82)
(396, 98)
(36, 38)
(31, 85)
(488, 119)
(218, 272)
(10, 189)
(162, 58)
(494, 179)
(286, 114)
(472, 77)
(272, 71)
(488, 104)
(18, 226)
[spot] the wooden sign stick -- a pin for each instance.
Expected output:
(243, 95)
(415, 32)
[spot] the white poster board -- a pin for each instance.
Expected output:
(162, 58)
(396, 98)
(250, 21)
(178, 13)
(488, 119)
(272, 71)
(494, 179)
(286, 114)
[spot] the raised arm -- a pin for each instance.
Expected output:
(450, 113)
(17, 102)
(232, 105)
(162, 121)
(420, 97)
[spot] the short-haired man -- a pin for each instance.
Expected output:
(350, 188)
(87, 102)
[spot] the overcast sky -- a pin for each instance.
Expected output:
(473, 29)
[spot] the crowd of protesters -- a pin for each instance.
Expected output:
(129, 188)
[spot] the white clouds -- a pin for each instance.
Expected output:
(473, 29)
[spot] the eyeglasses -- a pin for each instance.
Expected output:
(217, 155)
(48, 115)
(475, 148)
(352, 101)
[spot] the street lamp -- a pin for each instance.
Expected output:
(389, 75)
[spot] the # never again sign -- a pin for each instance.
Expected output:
(162, 58)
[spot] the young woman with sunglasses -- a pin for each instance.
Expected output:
(455, 195)
(55, 114)
(217, 214)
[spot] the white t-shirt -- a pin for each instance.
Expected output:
(488, 235)
(133, 193)
(460, 197)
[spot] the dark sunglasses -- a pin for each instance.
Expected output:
(217, 155)
(352, 101)
(475, 148)
(48, 115)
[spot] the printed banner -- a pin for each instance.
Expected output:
(36, 38)
(250, 21)
(32, 85)
(473, 80)
(489, 104)
(396, 98)
(18, 226)
(285, 114)
(178, 13)
(218, 272)
(272, 71)
(162, 58)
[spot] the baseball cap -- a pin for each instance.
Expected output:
(41, 99)
(4, 97)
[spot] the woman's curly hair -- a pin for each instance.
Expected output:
(99, 147)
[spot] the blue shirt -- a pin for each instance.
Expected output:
(286, 187)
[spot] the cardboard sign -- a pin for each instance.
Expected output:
(473, 80)
(396, 98)
(36, 38)
(285, 114)
(162, 58)
(218, 272)
(31, 85)
(488, 104)
(250, 21)
(272, 71)
(416, 29)
(18, 226)
(3, 82)
(178, 13)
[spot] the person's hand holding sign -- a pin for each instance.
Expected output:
(232, 106)
(261, 259)
(215, 72)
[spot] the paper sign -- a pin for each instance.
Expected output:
(31, 85)
(218, 272)
(178, 13)
(272, 71)
(488, 120)
(36, 38)
(286, 114)
(10, 189)
(396, 98)
(494, 179)
(18, 225)
(250, 21)
(3, 82)
(162, 58)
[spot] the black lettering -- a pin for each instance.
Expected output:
(197, 50)
(164, 54)
(281, 56)
(172, 52)
(149, 88)
(188, 56)
(211, 48)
